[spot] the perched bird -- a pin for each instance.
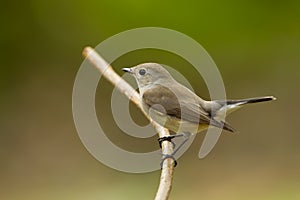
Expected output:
(177, 108)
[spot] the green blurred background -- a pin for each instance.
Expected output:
(255, 44)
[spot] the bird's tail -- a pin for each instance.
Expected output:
(250, 100)
(229, 106)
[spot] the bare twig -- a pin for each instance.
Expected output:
(107, 71)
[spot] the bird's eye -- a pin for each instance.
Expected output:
(142, 72)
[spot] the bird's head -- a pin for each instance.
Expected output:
(149, 73)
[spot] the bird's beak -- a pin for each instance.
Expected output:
(127, 70)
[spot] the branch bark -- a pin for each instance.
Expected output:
(107, 72)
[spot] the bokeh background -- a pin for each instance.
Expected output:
(255, 44)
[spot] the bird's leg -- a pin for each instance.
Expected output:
(186, 138)
(165, 156)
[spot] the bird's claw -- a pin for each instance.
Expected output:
(166, 138)
(166, 156)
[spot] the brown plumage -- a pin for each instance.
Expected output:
(175, 105)
(190, 111)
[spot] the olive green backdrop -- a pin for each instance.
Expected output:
(255, 44)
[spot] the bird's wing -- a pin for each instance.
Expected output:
(176, 105)
(183, 105)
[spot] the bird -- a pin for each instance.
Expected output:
(177, 108)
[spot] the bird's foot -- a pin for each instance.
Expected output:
(166, 138)
(166, 156)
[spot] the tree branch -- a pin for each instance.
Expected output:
(107, 72)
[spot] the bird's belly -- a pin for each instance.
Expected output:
(176, 125)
